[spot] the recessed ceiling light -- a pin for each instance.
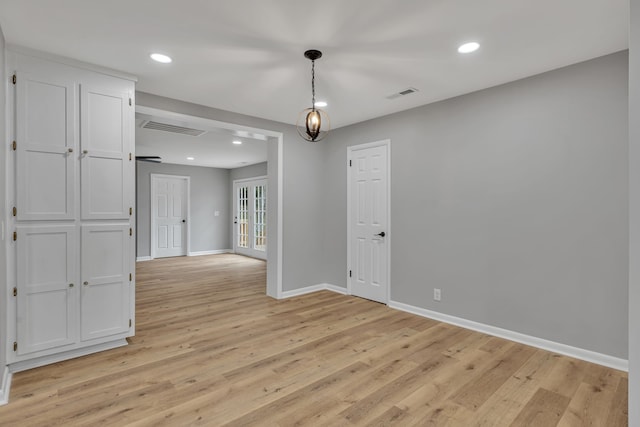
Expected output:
(320, 104)
(161, 58)
(237, 142)
(191, 158)
(468, 47)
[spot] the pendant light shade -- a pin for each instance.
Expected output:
(313, 123)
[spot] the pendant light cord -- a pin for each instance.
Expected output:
(313, 85)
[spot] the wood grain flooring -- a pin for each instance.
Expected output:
(212, 349)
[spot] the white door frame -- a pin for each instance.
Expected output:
(275, 178)
(154, 179)
(387, 144)
(235, 208)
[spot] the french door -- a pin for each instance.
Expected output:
(250, 217)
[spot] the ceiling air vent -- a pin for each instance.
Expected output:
(404, 92)
(150, 124)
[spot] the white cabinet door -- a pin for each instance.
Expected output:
(47, 295)
(46, 143)
(104, 304)
(105, 154)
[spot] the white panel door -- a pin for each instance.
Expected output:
(170, 212)
(46, 144)
(47, 288)
(105, 154)
(368, 222)
(104, 302)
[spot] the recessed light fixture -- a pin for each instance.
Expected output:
(191, 158)
(468, 47)
(237, 142)
(160, 58)
(320, 104)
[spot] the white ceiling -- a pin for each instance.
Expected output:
(214, 148)
(246, 56)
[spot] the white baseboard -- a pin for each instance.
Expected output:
(215, 252)
(313, 288)
(53, 358)
(555, 347)
(143, 258)
(5, 386)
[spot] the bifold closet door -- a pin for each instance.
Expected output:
(45, 147)
(46, 288)
(105, 164)
(105, 269)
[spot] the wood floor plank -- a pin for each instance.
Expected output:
(212, 349)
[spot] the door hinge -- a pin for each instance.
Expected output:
(15, 211)
(131, 232)
(14, 146)
(129, 102)
(15, 346)
(129, 322)
(130, 277)
(15, 236)
(129, 156)
(130, 211)
(15, 292)
(349, 273)
(14, 79)
(349, 163)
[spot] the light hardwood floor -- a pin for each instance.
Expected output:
(212, 349)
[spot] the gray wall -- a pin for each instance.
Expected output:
(251, 171)
(209, 193)
(634, 215)
(303, 172)
(512, 200)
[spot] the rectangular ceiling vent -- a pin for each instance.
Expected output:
(165, 127)
(407, 91)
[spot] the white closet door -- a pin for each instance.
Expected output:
(47, 296)
(105, 280)
(105, 154)
(46, 143)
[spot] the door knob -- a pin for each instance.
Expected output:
(381, 234)
(184, 220)
(85, 283)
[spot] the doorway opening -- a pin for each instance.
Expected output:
(270, 208)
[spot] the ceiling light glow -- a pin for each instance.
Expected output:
(469, 47)
(160, 58)
(191, 158)
(321, 104)
(237, 142)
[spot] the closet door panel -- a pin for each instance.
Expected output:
(105, 154)
(105, 280)
(46, 292)
(45, 147)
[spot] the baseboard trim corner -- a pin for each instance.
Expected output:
(555, 347)
(313, 288)
(214, 252)
(143, 258)
(5, 386)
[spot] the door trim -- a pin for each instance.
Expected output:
(387, 144)
(154, 179)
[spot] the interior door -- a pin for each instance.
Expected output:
(46, 140)
(170, 215)
(105, 275)
(104, 158)
(46, 287)
(368, 221)
(250, 217)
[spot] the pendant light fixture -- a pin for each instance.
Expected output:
(313, 123)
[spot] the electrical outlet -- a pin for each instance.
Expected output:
(436, 294)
